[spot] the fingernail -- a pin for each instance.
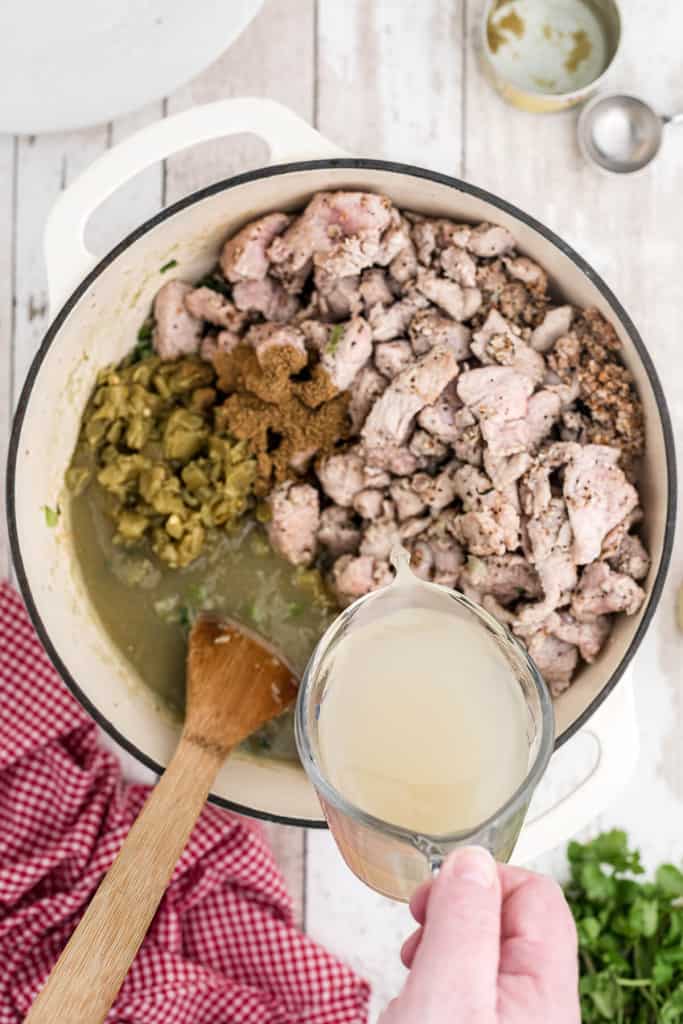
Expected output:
(474, 864)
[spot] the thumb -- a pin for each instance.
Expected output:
(455, 969)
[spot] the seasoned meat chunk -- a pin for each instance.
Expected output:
(529, 273)
(495, 393)
(338, 532)
(393, 414)
(543, 412)
(224, 341)
(460, 303)
(425, 446)
(505, 470)
(555, 659)
(379, 537)
(266, 297)
(490, 240)
(342, 476)
(395, 459)
(176, 332)
(369, 503)
(497, 342)
(598, 496)
(468, 443)
(601, 591)
(395, 240)
(266, 338)
(346, 258)
(422, 559)
(294, 522)
(507, 577)
(244, 255)
(555, 324)
(489, 531)
(347, 352)
(589, 637)
(375, 290)
(338, 297)
(393, 356)
(367, 387)
(469, 485)
(631, 558)
(403, 267)
(498, 396)
(459, 266)
(431, 235)
(437, 491)
(407, 501)
(440, 419)
(428, 329)
(390, 322)
(207, 304)
(328, 218)
(352, 578)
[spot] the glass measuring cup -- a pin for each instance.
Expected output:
(389, 858)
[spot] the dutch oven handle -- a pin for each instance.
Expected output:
(287, 135)
(614, 728)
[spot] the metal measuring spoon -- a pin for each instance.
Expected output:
(621, 133)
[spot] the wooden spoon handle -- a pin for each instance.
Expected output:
(88, 975)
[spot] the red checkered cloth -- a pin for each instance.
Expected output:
(222, 948)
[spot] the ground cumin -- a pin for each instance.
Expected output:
(285, 421)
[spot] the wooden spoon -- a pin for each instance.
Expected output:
(234, 685)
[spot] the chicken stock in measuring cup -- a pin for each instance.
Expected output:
(423, 725)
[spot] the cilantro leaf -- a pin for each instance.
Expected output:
(630, 934)
(51, 515)
(670, 880)
(144, 347)
(336, 335)
(216, 284)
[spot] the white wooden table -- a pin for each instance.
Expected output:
(398, 79)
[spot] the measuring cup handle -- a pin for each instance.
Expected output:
(615, 729)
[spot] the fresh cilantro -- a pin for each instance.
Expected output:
(144, 347)
(51, 515)
(256, 613)
(168, 266)
(196, 595)
(216, 284)
(336, 335)
(145, 332)
(630, 934)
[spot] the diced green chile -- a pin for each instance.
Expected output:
(149, 441)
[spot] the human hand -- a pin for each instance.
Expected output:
(497, 945)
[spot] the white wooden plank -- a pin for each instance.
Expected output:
(8, 153)
(273, 57)
(45, 165)
(390, 78)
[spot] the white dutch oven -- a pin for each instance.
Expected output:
(100, 309)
